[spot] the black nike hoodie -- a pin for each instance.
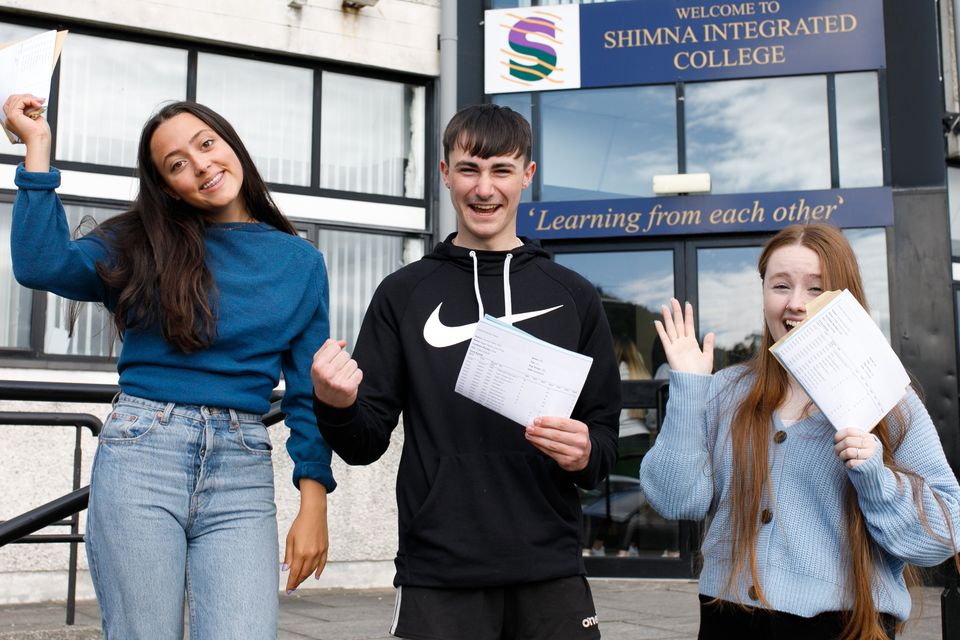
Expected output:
(478, 505)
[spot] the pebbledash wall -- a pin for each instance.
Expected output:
(336, 106)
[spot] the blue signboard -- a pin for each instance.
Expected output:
(664, 41)
(688, 215)
(651, 42)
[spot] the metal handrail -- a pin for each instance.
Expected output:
(19, 527)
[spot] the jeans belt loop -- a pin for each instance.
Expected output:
(234, 420)
(116, 396)
(167, 410)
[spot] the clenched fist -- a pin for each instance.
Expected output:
(336, 376)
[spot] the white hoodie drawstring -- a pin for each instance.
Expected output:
(476, 283)
(507, 297)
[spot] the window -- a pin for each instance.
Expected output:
(352, 133)
(275, 121)
(356, 263)
(607, 143)
(93, 332)
(15, 301)
(372, 136)
(731, 301)
(870, 247)
(859, 149)
(768, 134)
(108, 88)
(752, 135)
(13, 33)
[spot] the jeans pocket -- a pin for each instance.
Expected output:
(255, 438)
(127, 424)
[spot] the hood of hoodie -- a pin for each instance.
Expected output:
(488, 262)
(484, 263)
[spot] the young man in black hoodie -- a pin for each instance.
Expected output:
(489, 510)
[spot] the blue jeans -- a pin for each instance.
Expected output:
(181, 502)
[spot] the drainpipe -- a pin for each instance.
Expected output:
(447, 220)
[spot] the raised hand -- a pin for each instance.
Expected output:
(18, 109)
(336, 376)
(680, 340)
(24, 119)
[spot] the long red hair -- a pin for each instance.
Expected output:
(751, 432)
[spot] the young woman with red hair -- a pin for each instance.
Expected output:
(815, 526)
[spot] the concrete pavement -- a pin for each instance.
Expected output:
(628, 610)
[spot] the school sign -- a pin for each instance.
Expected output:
(689, 215)
(643, 42)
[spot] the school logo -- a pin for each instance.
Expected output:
(532, 50)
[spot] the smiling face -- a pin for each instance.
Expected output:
(791, 281)
(199, 167)
(485, 194)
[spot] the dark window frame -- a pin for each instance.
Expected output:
(194, 49)
(34, 356)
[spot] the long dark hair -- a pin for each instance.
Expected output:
(157, 253)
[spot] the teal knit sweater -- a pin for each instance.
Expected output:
(802, 550)
(272, 316)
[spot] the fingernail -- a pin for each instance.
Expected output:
(284, 567)
(289, 591)
(316, 577)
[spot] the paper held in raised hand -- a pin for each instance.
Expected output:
(519, 376)
(26, 67)
(843, 362)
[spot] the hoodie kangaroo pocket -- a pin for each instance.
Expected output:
(492, 514)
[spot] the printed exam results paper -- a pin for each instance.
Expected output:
(26, 67)
(520, 376)
(843, 362)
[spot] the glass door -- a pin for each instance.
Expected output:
(622, 534)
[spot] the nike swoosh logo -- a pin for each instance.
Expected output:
(440, 335)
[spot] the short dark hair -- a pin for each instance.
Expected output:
(487, 130)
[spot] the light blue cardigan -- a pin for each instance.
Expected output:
(802, 551)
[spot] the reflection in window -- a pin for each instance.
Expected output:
(274, 121)
(13, 33)
(870, 247)
(108, 89)
(15, 301)
(519, 102)
(730, 302)
(94, 333)
(632, 285)
(356, 263)
(858, 130)
(372, 136)
(607, 143)
(769, 134)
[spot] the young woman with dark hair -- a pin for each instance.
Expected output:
(815, 525)
(213, 294)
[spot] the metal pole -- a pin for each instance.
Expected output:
(447, 220)
(74, 529)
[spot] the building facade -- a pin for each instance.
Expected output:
(335, 104)
(338, 107)
(790, 112)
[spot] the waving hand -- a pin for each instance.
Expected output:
(680, 340)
